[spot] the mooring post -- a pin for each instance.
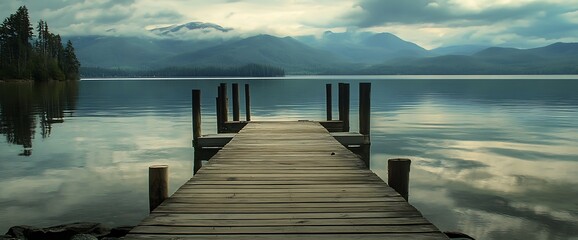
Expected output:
(344, 105)
(328, 101)
(197, 161)
(224, 103)
(158, 185)
(235, 101)
(218, 112)
(247, 103)
(398, 175)
(196, 99)
(365, 120)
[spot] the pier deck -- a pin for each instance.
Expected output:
(285, 180)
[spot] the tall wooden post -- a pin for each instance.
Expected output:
(197, 161)
(247, 103)
(158, 185)
(364, 108)
(224, 103)
(398, 175)
(365, 121)
(218, 110)
(235, 101)
(328, 101)
(344, 105)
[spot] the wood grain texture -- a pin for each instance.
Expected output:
(285, 180)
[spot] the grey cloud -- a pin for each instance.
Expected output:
(164, 16)
(381, 12)
(553, 28)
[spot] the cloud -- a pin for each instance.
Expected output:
(430, 23)
(371, 13)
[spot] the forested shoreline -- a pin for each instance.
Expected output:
(249, 70)
(43, 57)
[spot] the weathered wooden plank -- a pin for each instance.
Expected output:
(193, 189)
(185, 221)
(180, 193)
(285, 229)
(193, 198)
(173, 208)
(359, 236)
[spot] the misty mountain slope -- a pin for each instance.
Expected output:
(458, 50)
(286, 52)
(365, 47)
(131, 52)
(98, 51)
(553, 59)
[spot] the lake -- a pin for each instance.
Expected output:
(495, 157)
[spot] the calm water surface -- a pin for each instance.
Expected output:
(494, 157)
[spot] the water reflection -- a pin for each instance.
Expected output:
(24, 105)
(492, 158)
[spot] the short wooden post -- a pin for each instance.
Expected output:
(247, 103)
(158, 185)
(398, 175)
(328, 101)
(235, 101)
(344, 105)
(196, 100)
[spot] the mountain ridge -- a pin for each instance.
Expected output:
(332, 53)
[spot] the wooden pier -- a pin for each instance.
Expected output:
(285, 180)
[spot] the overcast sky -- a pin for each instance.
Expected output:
(429, 23)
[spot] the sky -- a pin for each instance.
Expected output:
(429, 23)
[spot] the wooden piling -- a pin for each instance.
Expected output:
(196, 100)
(365, 121)
(328, 101)
(398, 175)
(218, 113)
(235, 101)
(247, 103)
(344, 105)
(158, 185)
(364, 108)
(224, 102)
(197, 161)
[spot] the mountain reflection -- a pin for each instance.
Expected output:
(26, 107)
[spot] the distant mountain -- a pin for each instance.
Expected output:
(191, 26)
(458, 50)
(131, 52)
(288, 53)
(558, 58)
(331, 53)
(365, 47)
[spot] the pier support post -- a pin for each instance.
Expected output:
(398, 175)
(328, 101)
(235, 101)
(365, 120)
(218, 113)
(158, 185)
(247, 103)
(197, 162)
(344, 105)
(224, 102)
(196, 100)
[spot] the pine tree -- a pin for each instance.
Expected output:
(71, 65)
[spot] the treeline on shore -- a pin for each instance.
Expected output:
(249, 70)
(40, 58)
